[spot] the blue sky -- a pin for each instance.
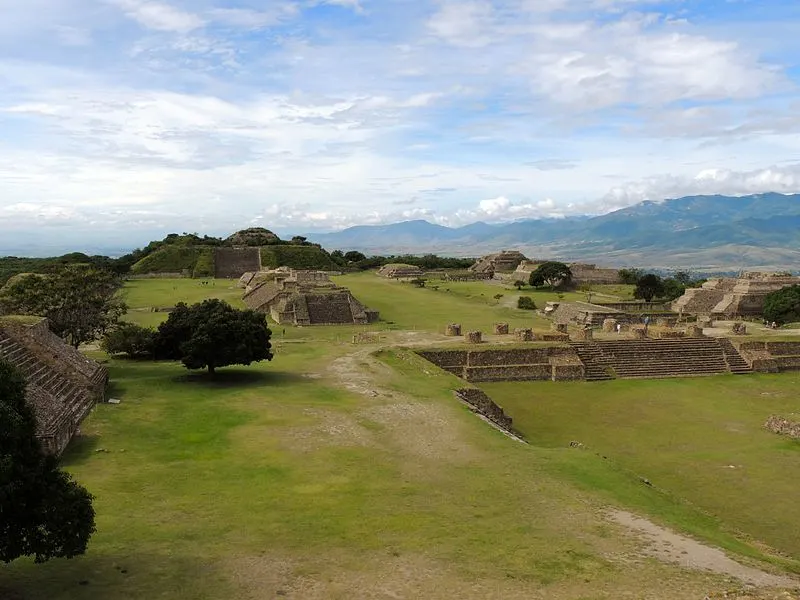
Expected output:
(125, 119)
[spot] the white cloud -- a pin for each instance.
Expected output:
(159, 16)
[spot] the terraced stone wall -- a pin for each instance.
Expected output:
(234, 262)
(484, 405)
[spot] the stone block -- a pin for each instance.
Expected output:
(664, 322)
(453, 330)
(524, 335)
(638, 333)
(609, 325)
(474, 337)
(559, 327)
(584, 335)
(694, 331)
(501, 328)
(739, 329)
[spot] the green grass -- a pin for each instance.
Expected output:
(297, 257)
(241, 485)
(684, 435)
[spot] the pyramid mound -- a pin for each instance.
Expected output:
(254, 236)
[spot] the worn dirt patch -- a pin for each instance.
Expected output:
(328, 429)
(674, 548)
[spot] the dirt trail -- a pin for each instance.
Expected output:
(672, 547)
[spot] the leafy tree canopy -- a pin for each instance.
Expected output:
(551, 273)
(43, 513)
(354, 256)
(213, 334)
(128, 338)
(80, 301)
(783, 306)
(648, 287)
(630, 276)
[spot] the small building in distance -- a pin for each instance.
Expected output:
(733, 296)
(400, 271)
(501, 262)
(62, 384)
(293, 297)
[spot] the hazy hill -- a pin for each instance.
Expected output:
(710, 232)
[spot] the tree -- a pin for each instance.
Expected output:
(683, 277)
(131, 339)
(299, 240)
(551, 273)
(630, 276)
(526, 303)
(354, 256)
(588, 291)
(497, 297)
(519, 284)
(783, 306)
(213, 334)
(649, 286)
(43, 512)
(80, 301)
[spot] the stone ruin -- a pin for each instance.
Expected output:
(453, 330)
(728, 297)
(524, 335)
(582, 273)
(232, 262)
(62, 384)
(501, 262)
(474, 337)
(482, 404)
(294, 297)
(501, 328)
(739, 329)
(400, 271)
(782, 426)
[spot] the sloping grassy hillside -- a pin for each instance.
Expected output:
(169, 259)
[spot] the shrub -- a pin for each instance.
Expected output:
(526, 303)
(131, 339)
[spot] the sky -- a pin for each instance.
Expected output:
(123, 120)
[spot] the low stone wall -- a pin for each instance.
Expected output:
(483, 405)
(771, 357)
(501, 328)
(584, 335)
(670, 334)
(453, 330)
(739, 329)
(694, 331)
(537, 372)
(782, 426)
(524, 335)
(555, 337)
(474, 337)
(181, 275)
(559, 327)
(636, 306)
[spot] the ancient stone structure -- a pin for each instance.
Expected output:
(366, 337)
(779, 425)
(559, 327)
(518, 364)
(582, 274)
(453, 330)
(483, 405)
(638, 333)
(524, 335)
(501, 328)
(610, 325)
(233, 262)
(306, 298)
(474, 337)
(739, 329)
(694, 331)
(400, 271)
(502, 262)
(659, 358)
(584, 334)
(729, 297)
(584, 313)
(770, 357)
(62, 384)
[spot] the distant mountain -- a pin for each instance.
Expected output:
(703, 232)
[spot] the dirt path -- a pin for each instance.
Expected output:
(671, 547)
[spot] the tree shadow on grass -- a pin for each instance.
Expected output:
(240, 378)
(80, 448)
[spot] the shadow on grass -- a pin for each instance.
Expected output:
(240, 378)
(79, 449)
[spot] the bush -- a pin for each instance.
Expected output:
(526, 303)
(783, 306)
(204, 267)
(131, 339)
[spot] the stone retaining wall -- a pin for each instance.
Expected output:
(234, 262)
(483, 405)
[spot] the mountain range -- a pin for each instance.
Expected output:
(698, 232)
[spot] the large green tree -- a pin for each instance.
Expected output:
(648, 287)
(783, 306)
(213, 334)
(43, 512)
(552, 274)
(80, 301)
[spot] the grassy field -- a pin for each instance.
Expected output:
(701, 439)
(342, 471)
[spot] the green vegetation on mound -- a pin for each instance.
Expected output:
(204, 267)
(170, 259)
(297, 257)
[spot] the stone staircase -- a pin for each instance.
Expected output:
(596, 367)
(67, 394)
(652, 359)
(736, 364)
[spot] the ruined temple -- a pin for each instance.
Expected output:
(306, 298)
(400, 271)
(232, 262)
(62, 384)
(501, 262)
(582, 273)
(733, 297)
